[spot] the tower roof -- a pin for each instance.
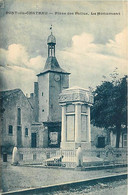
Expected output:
(52, 65)
(51, 39)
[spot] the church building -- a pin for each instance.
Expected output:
(16, 117)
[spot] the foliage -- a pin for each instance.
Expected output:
(109, 150)
(109, 109)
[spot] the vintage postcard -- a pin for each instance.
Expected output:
(63, 88)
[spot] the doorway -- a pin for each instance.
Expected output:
(101, 142)
(33, 140)
(19, 136)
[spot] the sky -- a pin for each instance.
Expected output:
(89, 46)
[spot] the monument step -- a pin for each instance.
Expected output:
(88, 168)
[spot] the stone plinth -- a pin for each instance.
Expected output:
(75, 130)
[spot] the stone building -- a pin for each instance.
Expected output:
(123, 138)
(99, 137)
(16, 115)
(46, 130)
(51, 81)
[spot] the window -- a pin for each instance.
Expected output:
(125, 140)
(42, 93)
(26, 131)
(43, 110)
(19, 116)
(10, 130)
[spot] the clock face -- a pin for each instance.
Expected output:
(57, 77)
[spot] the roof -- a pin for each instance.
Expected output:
(52, 65)
(7, 93)
(51, 39)
(76, 88)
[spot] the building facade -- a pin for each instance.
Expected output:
(16, 118)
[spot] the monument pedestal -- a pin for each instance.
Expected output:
(73, 145)
(75, 130)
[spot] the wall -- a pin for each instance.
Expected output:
(43, 84)
(42, 135)
(98, 132)
(11, 104)
(55, 88)
(36, 102)
(49, 109)
(45, 138)
(113, 139)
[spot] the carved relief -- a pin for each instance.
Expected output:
(83, 97)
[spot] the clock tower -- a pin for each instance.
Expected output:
(51, 81)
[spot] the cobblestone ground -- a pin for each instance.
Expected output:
(17, 177)
(108, 188)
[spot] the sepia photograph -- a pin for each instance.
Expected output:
(63, 97)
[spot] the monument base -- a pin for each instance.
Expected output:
(74, 145)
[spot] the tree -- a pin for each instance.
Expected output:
(109, 109)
